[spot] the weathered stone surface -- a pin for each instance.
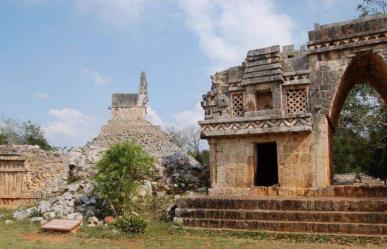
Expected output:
(30, 173)
(62, 225)
(363, 216)
(292, 98)
(8, 222)
(75, 216)
(37, 220)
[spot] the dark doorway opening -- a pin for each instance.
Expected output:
(267, 168)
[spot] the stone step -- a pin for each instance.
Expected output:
(372, 204)
(287, 226)
(280, 215)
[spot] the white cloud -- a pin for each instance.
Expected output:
(97, 78)
(187, 118)
(153, 117)
(116, 12)
(70, 127)
(227, 28)
(42, 96)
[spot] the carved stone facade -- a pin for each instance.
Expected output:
(281, 107)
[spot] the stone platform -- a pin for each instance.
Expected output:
(321, 215)
(331, 191)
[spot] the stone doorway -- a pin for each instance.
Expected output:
(267, 166)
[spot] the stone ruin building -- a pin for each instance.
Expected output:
(60, 183)
(269, 123)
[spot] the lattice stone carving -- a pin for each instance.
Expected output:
(296, 100)
(237, 105)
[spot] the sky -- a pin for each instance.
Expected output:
(60, 60)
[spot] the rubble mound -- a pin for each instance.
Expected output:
(357, 180)
(154, 141)
(176, 172)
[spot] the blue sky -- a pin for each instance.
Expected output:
(61, 60)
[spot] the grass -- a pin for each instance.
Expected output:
(163, 235)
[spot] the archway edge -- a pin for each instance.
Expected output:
(365, 67)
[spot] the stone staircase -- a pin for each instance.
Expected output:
(343, 216)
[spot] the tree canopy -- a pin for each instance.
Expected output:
(360, 142)
(15, 132)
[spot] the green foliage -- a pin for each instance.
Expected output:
(360, 142)
(36, 213)
(154, 207)
(203, 156)
(130, 225)
(3, 139)
(14, 132)
(120, 172)
(34, 135)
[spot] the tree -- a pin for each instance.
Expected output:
(193, 138)
(11, 131)
(188, 138)
(15, 132)
(3, 139)
(119, 173)
(177, 137)
(360, 142)
(34, 135)
(372, 7)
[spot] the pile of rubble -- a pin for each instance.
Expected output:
(77, 202)
(357, 179)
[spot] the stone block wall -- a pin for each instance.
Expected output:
(133, 113)
(37, 174)
(47, 171)
(233, 160)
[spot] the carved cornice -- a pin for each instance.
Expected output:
(350, 42)
(259, 126)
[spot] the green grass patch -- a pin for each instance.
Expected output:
(164, 235)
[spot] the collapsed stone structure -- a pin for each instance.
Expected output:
(129, 123)
(269, 123)
(175, 171)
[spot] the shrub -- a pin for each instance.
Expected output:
(155, 208)
(34, 135)
(130, 225)
(119, 173)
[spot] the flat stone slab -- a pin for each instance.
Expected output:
(65, 226)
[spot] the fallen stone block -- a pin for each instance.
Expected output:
(64, 226)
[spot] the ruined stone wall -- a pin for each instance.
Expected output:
(47, 171)
(133, 113)
(44, 173)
